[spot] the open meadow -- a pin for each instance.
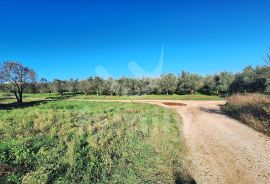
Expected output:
(134, 92)
(97, 142)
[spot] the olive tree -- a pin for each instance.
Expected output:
(189, 83)
(97, 84)
(84, 86)
(44, 86)
(73, 85)
(15, 77)
(59, 86)
(209, 85)
(167, 83)
(223, 81)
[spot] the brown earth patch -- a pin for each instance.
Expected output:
(173, 104)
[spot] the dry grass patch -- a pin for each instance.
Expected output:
(251, 109)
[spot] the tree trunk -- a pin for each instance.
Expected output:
(17, 98)
(167, 92)
(20, 96)
(97, 93)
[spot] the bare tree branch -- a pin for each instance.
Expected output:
(267, 58)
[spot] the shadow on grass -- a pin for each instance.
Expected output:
(6, 98)
(15, 105)
(59, 97)
(63, 97)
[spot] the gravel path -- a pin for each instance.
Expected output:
(222, 150)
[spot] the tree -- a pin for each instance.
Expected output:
(189, 83)
(223, 81)
(244, 81)
(167, 83)
(59, 86)
(97, 85)
(209, 85)
(116, 88)
(108, 87)
(73, 86)
(15, 76)
(44, 86)
(153, 87)
(142, 86)
(123, 86)
(84, 86)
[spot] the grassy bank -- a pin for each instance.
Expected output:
(251, 109)
(91, 142)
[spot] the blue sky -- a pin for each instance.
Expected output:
(69, 39)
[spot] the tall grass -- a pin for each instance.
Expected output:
(83, 142)
(252, 109)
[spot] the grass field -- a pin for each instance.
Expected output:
(91, 142)
(142, 97)
(152, 97)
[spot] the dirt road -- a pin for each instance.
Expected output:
(221, 149)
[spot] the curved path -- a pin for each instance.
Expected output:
(221, 150)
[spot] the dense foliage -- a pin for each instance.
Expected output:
(90, 142)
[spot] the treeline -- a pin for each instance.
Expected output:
(224, 83)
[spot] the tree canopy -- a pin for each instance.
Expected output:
(16, 77)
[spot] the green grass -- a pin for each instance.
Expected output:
(91, 142)
(41, 95)
(6, 98)
(143, 97)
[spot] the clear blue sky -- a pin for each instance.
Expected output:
(64, 39)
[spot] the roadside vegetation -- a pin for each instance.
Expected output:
(251, 109)
(91, 142)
